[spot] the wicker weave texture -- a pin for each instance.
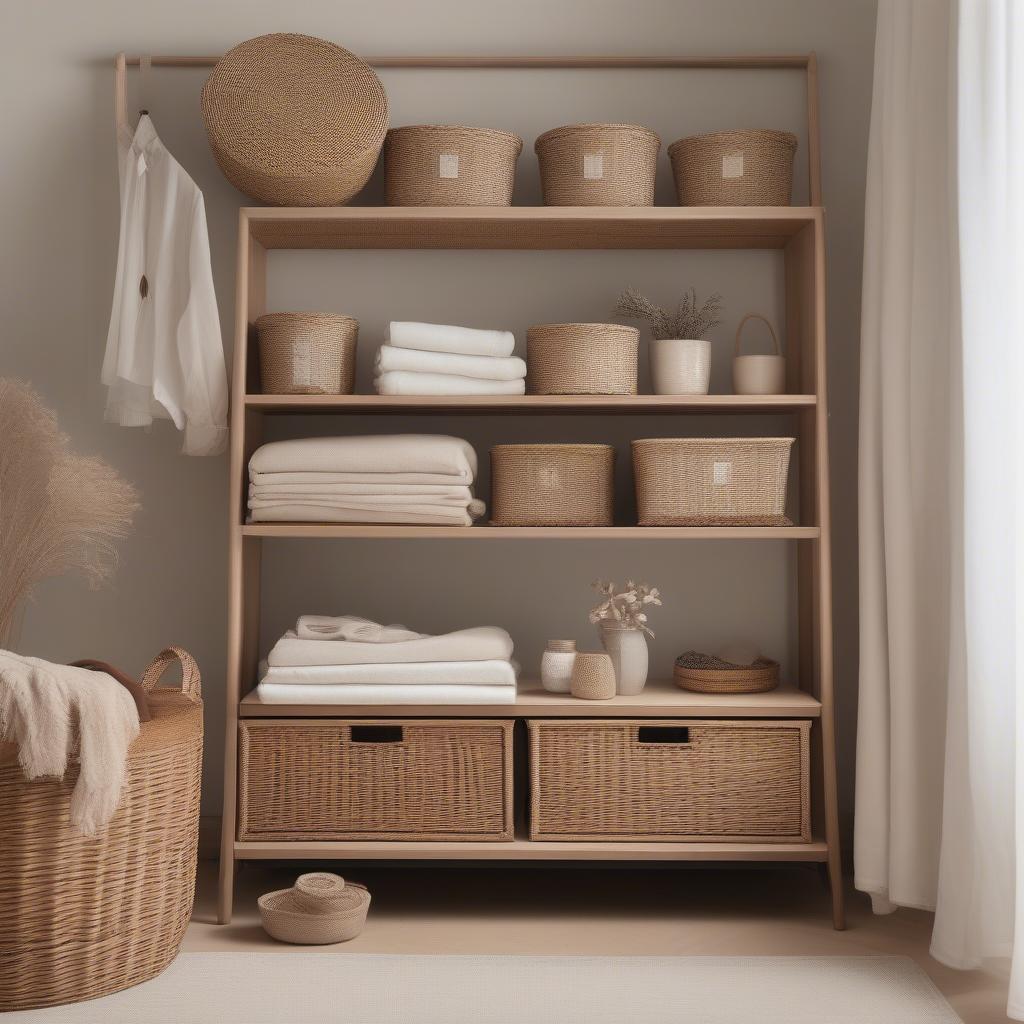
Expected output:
(307, 353)
(86, 916)
(615, 780)
(294, 120)
(598, 165)
(449, 165)
(552, 484)
(704, 673)
(581, 359)
(740, 168)
(593, 676)
(443, 780)
(709, 481)
(286, 919)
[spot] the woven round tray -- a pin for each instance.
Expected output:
(307, 353)
(285, 920)
(581, 359)
(294, 120)
(740, 168)
(449, 165)
(704, 673)
(598, 165)
(593, 677)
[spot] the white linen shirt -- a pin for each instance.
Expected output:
(164, 356)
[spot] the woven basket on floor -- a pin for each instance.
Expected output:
(704, 673)
(552, 484)
(85, 916)
(581, 359)
(449, 165)
(294, 120)
(711, 481)
(307, 353)
(741, 168)
(593, 677)
(302, 916)
(598, 165)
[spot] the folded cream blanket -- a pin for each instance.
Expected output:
(481, 367)
(401, 382)
(410, 515)
(461, 340)
(376, 480)
(350, 627)
(438, 673)
(435, 491)
(364, 501)
(273, 693)
(448, 457)
(44, 707)
(484, 643)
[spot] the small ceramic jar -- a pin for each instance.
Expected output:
(556, 665)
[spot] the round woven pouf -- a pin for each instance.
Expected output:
(593, 677)
(294, 120)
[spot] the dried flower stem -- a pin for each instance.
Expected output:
(625, 608)
(688, 320)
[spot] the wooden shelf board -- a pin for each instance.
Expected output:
(659, 699)
(530, 404)
(370, 531)
(528, 227)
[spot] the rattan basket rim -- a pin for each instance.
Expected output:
(491, 134)
(735, 134)
(285, 316)
(553, 446)
(623, 328)
(282, 902)
(702, 442)
(555, 134)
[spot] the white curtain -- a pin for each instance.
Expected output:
(940, 775)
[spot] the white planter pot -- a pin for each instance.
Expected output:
(681, 366)
(628, 650)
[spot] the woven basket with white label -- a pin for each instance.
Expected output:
(711, 481)
(307, 353)
(741, 168)
(449, 165)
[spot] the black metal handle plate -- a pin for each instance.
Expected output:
(663, 734)
(377, 733)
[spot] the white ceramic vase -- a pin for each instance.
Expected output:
(628, 650)
(681, 366)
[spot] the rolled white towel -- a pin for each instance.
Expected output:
(441, 338)
(481, 367)
(401, 382)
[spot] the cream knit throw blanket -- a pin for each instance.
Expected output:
(45, 707)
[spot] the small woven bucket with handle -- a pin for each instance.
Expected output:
(758, 374)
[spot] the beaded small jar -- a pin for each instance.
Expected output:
(556, 665)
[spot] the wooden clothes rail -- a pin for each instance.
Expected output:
(806, 62)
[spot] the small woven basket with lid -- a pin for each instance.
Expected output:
(320, 908)
(581, 359)
(307, 353)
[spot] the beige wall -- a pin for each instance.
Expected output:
(58, 246)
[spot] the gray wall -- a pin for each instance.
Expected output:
(57, 249)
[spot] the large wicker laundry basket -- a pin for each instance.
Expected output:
(85, 916)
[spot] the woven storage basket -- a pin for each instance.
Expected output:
(334, 780)
(307, 353)
(669, 781)
(287, 919)
(711, 481)
(84, 916)
(294, 120)
(741, 168)
(704, 673)
(449, 165)
(598, 165)
(593, 677)
(581, 359)
(552, 484)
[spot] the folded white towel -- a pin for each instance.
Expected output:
(481, 367)
(401, 382)
(352, 628)
(435, 491)
(382, 481)
(483, 643)
(440, 673)
(410, 515)
(449, 457)
(460, 340)
(392, 502)
(273, 693)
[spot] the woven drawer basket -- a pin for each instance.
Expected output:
(449, 165)
(711, 481)
(598, 165)
(84, 916)
(399, 779)
(743, 168)
(294, 120)
(679, 781)
(581, 359)
(307, 353)
(552, 484)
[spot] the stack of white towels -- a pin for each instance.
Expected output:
(422, 479)
(432, 359)
(350, 660)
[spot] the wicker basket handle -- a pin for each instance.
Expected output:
(191, 684)
(756, 316)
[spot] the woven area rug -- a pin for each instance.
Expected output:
(305, 988)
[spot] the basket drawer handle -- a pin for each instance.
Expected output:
(677, 734)
(377, 733)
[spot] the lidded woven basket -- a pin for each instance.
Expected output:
(307, 353)
(552, 484)
(321, 908)
(711, 481)
(598, 165)
(581, 359)
(738, 168)
(294, 120)
(449, 165)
